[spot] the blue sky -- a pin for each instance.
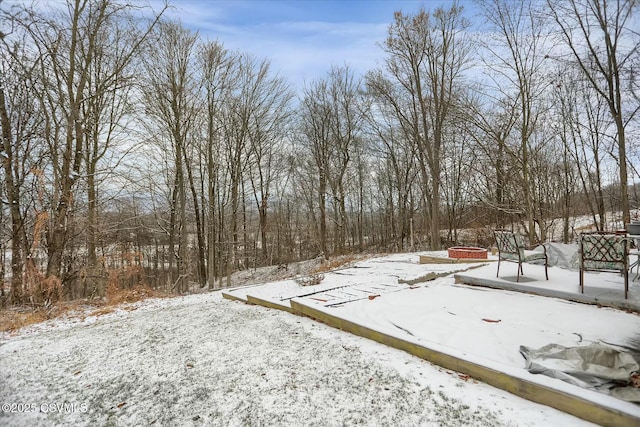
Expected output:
(302, 38)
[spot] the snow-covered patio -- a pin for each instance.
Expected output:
(464, 318)
(606, 289)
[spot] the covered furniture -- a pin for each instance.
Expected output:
(602, 251)
(511, 247)
(634, 253)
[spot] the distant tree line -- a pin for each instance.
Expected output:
(133, 144)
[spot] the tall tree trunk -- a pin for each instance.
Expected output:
(212, 231)
(18, 243)
(262, 213)
(622, 160)
(183, 249)
(322, 191)
(200, 250)
(435, 190)
(172, 233)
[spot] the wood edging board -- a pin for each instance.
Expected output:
(535, 392)
(259, 301)
(233, 297)
(627, 305)
(426, 259)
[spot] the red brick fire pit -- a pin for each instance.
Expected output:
(467, 252)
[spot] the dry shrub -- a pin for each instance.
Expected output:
(133, 258)
(117, 295)
(127, 285)
(39, 289)
(103, 310)
(311, 280)
(110, 309)
(587, 227)
(18, 317)
(13, 319)
(127, 277)
(483, 237)
(336, 262)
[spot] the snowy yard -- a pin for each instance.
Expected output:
(203, 360)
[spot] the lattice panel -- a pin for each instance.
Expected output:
(603, 248)
(506, 242)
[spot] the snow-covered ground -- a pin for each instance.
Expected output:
(421, 304)
(203, 360)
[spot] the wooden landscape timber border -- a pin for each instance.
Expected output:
(233, 297)
(427, 259)
(269, 304)
(535, 392)
(571, 404)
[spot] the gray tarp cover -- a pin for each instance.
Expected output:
(563, 255)
(596, 366)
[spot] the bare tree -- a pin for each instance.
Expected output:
(582, 129)
(348, 112)
(253, 120)
(20, 123)
(457, 178)
(399, 153)
(522, 33)
(108, 108)
(316, 130)
(268, 129)
(493, 125)
(427, 54)
(217, 67)
(358, 181)
(67, 43)
(305, 187)
(170, 97)
(333, 118)
(604, 41)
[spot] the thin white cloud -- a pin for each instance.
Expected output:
(303, 39)
(299, 49)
